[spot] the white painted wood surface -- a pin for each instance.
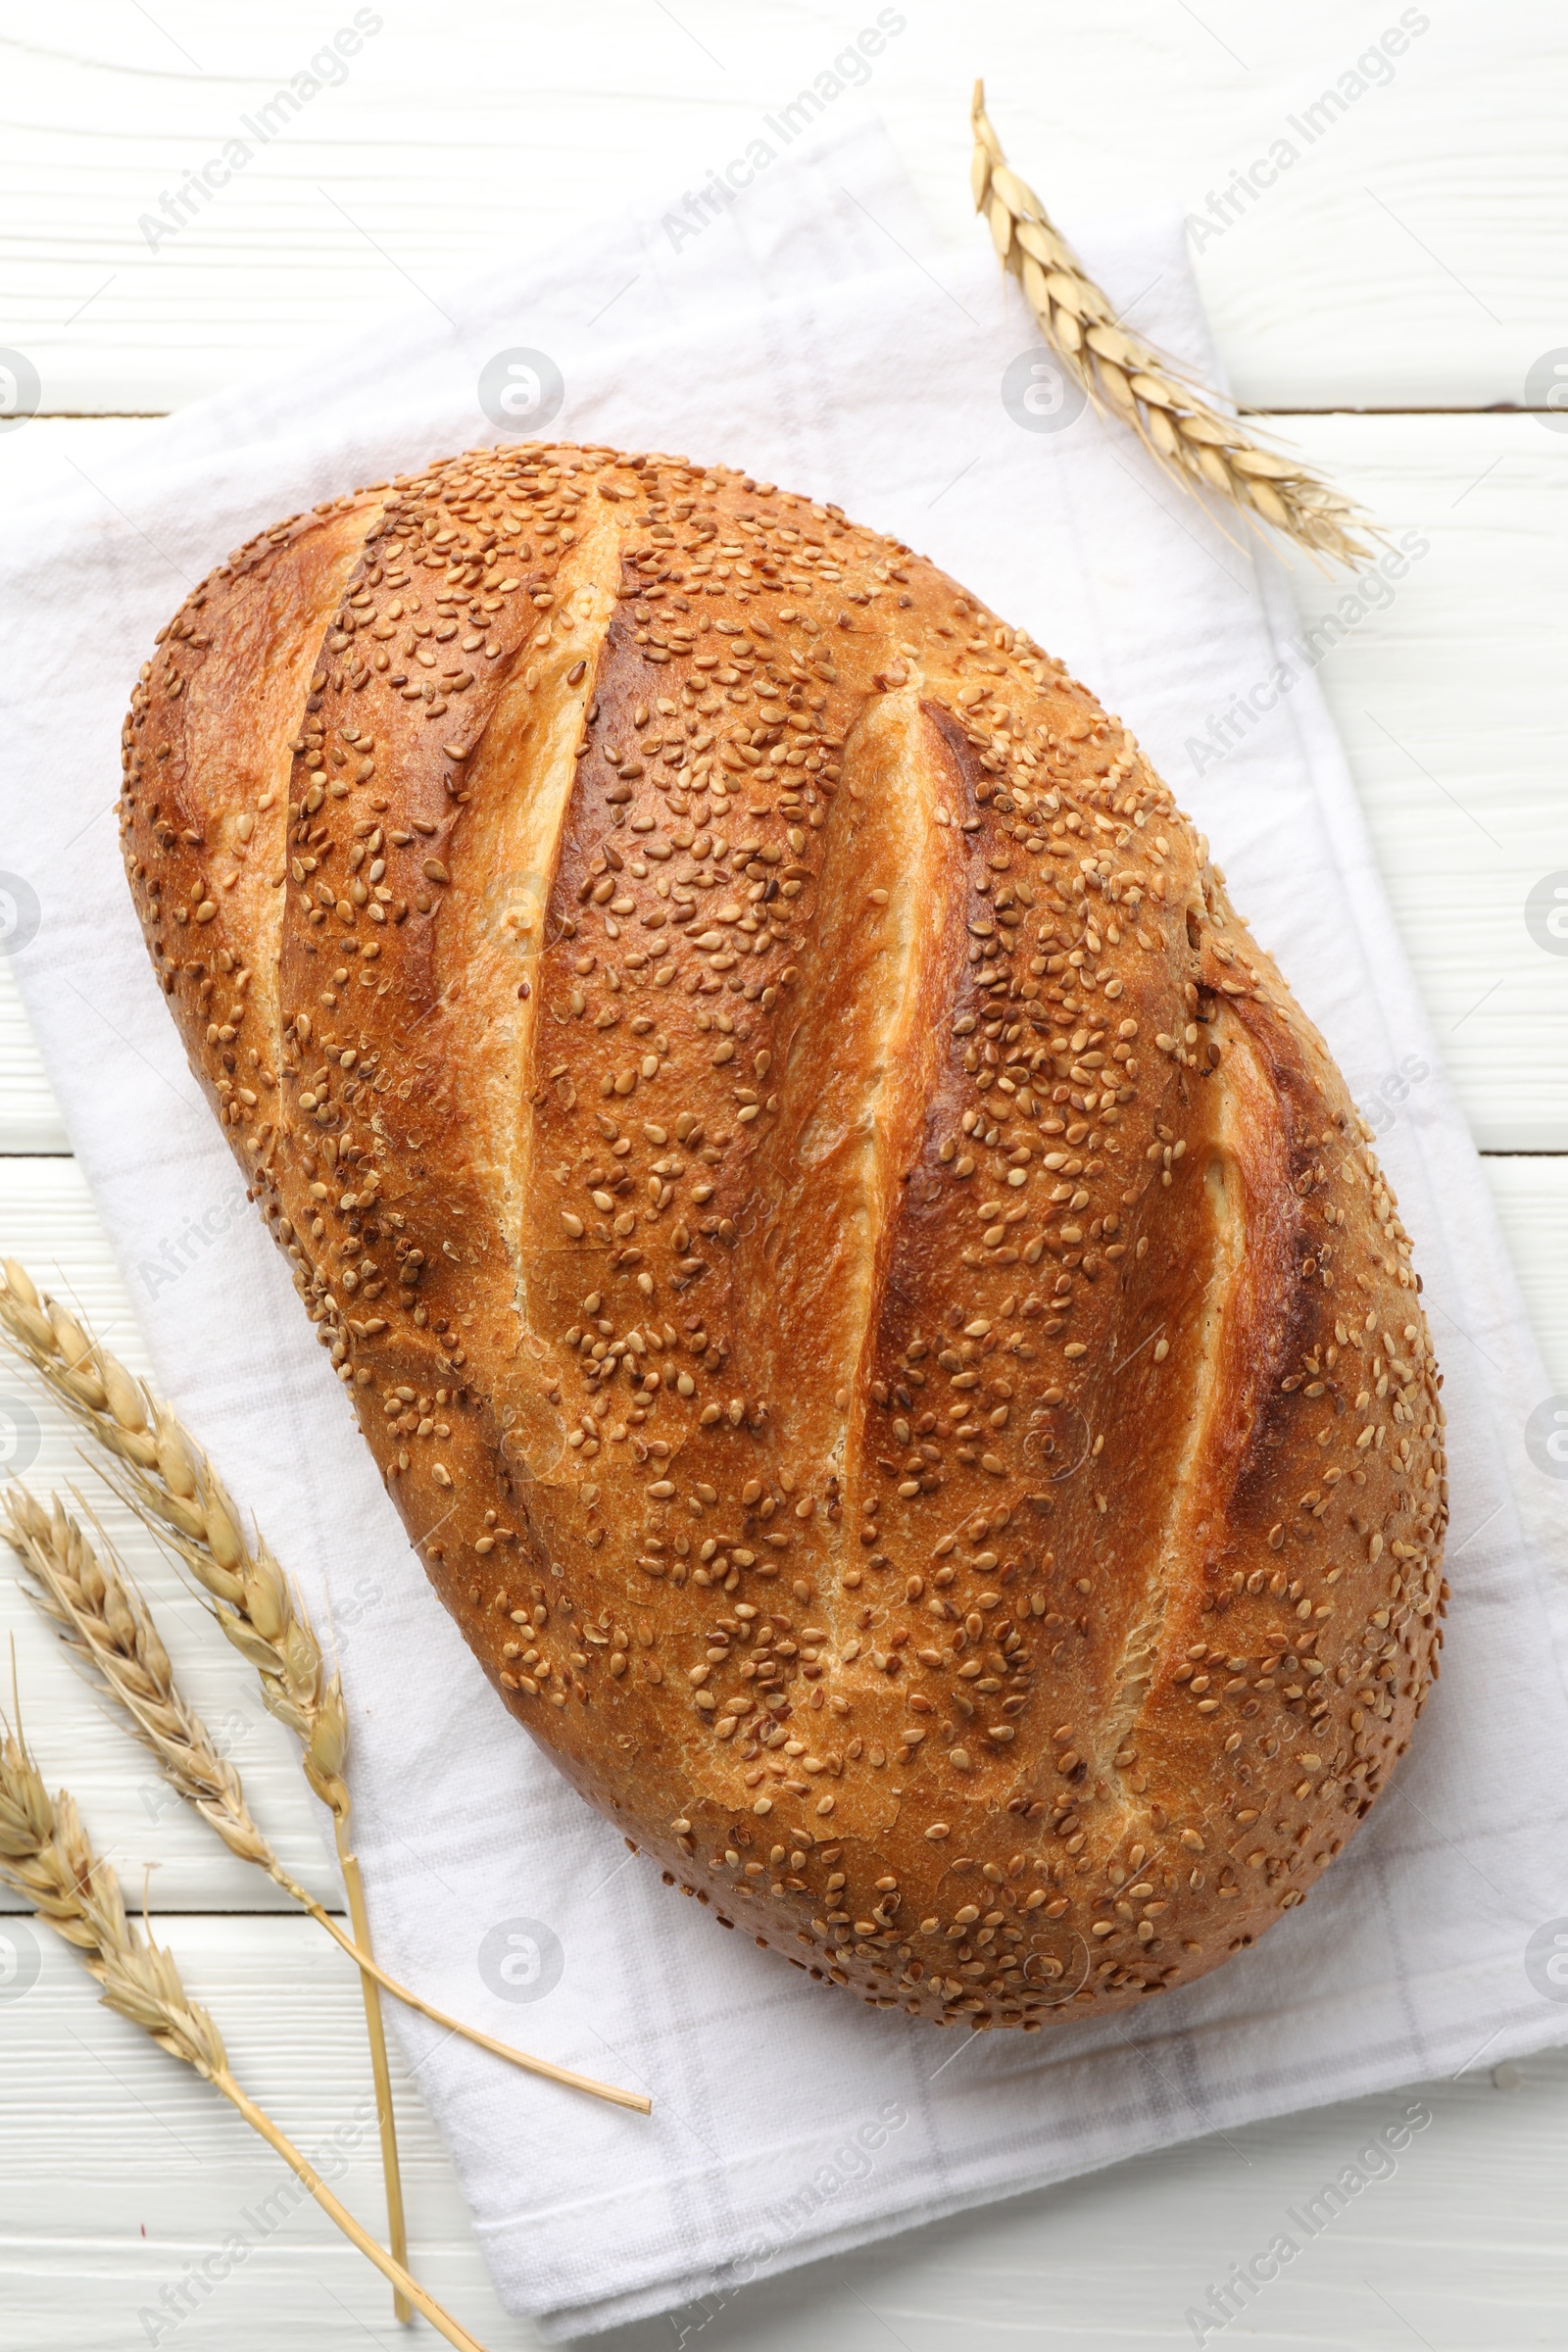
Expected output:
(1413, 259)
(1413, 255)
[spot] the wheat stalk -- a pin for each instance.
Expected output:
(174, 1489)
(1183, 426)
(45, 1856)
(89, 1597)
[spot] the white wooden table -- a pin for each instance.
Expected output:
(1399, 295)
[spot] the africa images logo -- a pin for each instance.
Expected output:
(521, 390)
(19, 1959)
(19, 390)
(522, 1960)
(19, 912)
(1547, 390)
(1040, 394)
(1546, 1960)
(1546, 1436)
(21, 1436)
(1546, 913)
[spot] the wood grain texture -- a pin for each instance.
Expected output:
(1531, 1194)
(1446, 699)
(1408, 256)
(171, 2174)
(31, 1119)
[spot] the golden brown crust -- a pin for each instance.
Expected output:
(871, 1300)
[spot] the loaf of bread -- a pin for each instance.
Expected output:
(876, 1308)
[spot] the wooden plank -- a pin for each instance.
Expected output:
(124, 2173)
(1532, 1201)
(1448, 703)
(30, 1118)
(1446, 695)
(1409, 255)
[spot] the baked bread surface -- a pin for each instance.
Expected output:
(875, 1306)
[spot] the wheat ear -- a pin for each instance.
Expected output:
(1183, 426)
(174, 1489)
(169, 1482)
(45, 1856)
(90, 1597)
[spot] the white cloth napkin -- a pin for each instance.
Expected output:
(812, 336)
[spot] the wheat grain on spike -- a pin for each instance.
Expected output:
(45, 1857)
(174, 1489)
(89, 1597)
(1184, 428)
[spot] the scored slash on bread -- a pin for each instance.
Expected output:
(875, 1306)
